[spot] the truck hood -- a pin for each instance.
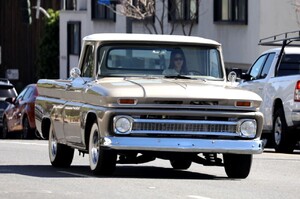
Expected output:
(149, 89)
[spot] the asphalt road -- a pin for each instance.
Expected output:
(25, 172)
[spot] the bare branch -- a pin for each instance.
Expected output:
(143, 10)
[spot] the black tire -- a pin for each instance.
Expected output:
(102, 162)
(283, 140)
(4, 131)
(182, 164)
(237, 165)
(60, 155)
(27, 131)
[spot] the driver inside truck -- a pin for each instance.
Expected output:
(177, 63)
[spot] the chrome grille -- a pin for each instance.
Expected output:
(186, 127)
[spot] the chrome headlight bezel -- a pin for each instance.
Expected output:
(247, 128)
(122, 124)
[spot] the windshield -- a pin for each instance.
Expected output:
(156, 60)
(7, 91)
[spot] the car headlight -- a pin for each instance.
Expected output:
(248, 128)
(122, 124)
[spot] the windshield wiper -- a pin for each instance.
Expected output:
(177, 77)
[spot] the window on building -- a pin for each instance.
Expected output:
(68, 4)
(183, 10)
(74, 37)
(100, 11)
(231, 11)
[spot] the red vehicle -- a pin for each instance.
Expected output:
(19, 115)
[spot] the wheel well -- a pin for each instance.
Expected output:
(46, 127)
(91, 118)
(277, 105)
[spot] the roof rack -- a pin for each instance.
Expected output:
(282, 39)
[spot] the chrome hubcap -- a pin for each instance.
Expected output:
(277, 131)
(95, 148)
(53, 146)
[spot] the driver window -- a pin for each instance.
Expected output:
(88, 62)
(256, 68)
(20, 96)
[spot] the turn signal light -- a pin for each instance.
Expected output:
(127, 101)
(243, 103)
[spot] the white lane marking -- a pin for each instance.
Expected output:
(24, 143)
(197, 197)
(26, 191)
(75, 174)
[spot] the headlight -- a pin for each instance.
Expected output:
(122, 124)
(247, 128)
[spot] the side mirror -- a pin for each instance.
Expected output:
(9, 100)
(75, 72)
(232, 77)
(246, 76)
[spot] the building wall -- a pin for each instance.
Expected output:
(19, 42)
(239, 42)
(277, 16)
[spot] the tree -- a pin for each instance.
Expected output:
(296, 4)
(161, 16)
(48, 57)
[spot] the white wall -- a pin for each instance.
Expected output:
(280, 18)
(239, 42)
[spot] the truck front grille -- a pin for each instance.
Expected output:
(184, 127)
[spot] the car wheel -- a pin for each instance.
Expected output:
(4, 131)
(283, 140)
(26, 132)
(60, 155)
(180, 163)
(102, 162)
(237, 165)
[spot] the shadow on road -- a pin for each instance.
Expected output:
(270, 150)
(45, 171)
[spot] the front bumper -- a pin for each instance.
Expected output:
(296, 118)
(183, 145)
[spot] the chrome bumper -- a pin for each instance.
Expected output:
(184, 145)
(296, 117)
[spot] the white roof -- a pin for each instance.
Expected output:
(149, 38)
(287, 50)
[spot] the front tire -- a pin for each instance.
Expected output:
(60, 155)
(26, 132)
(4, 132)
(102, 162)
(237, 165)
(283, 140)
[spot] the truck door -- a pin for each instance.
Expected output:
(258, 77)
(73, 125)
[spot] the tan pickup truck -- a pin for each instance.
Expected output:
(136, 97)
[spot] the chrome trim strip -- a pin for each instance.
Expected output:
(230, 134)
(185, 121)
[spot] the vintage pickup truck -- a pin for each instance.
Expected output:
(126, 103)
